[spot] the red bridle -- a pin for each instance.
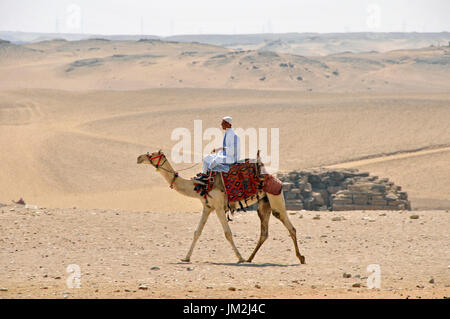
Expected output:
(175, 174)
(155, 157)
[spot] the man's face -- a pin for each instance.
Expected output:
(225, 124)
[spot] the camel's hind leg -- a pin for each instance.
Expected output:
(264, 215)
(279, 211)
(206, 211)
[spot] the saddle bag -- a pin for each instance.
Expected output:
(272, 185)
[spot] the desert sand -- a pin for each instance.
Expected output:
(75, 115)
(136, 254)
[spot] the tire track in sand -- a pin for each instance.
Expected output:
(384, 157)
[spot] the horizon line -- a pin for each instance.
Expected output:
(225, 34)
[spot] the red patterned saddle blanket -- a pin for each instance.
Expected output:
(241, 182)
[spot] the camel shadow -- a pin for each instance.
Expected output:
(255, 265)
(245, 264)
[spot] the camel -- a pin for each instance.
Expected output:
(218, 201)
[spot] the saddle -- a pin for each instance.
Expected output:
(242, 183)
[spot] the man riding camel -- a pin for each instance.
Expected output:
(222, 157)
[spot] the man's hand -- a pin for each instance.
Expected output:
(216, 149)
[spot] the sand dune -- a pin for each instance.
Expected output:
(320, 44)
(126, 65)
(75, 114)
(65, 148)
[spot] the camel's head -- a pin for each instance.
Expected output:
(155, 158)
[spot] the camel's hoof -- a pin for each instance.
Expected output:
(242, 260)
(185, 260)
(249, 260)
(302, 260)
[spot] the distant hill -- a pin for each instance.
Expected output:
(311, 44)
(30, 37)
(100, 63)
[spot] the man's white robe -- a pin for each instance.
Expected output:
(221, 161)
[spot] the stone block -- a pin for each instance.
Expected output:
(361, 200)
(314, 178)
(362, 207)
(395, 203)
(318, 199)
(319, 185)
(308, 188)
(301, 186)
(294, 204)
(403, 195)
(287, 186)
(325, 196)
(344, 192)
(293, 174)
(308, 203)
(333, 189)
(336, 176)
(290, 195)
(362, 174)
(342, 201)
(391, 196)
(378, 202)
(407, 205)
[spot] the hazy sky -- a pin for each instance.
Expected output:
(168, 17)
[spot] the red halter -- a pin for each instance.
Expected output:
(157, 166)
(156, 157)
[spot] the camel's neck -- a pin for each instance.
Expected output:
(181, 185)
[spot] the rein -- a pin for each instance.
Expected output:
(157, 166)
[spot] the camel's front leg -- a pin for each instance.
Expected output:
(198, 231)
(228, 235)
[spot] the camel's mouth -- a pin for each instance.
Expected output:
(140, 160)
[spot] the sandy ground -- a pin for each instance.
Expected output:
(120, 251)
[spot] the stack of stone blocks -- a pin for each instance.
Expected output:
(344, 189)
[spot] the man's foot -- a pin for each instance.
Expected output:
(198, 180)
(201, 178)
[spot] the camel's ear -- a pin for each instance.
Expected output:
(159, 152)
